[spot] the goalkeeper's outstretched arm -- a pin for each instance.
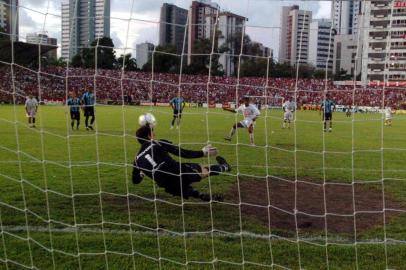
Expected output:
(184, 153)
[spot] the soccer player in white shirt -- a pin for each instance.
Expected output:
(251, 113)
(388, 116)
(31, 107)
(288, 107)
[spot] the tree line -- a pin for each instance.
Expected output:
(246, 56)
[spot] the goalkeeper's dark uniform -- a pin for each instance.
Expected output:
(154, 160)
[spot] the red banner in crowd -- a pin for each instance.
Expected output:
(379, 83)
(399, 4)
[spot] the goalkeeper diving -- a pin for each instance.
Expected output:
(154, 160)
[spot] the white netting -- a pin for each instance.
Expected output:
(300, 198)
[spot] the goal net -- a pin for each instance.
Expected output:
(326, 191)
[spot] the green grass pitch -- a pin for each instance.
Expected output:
(52, 178)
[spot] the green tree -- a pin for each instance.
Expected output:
(342, 76)
(254, 67)
(60, 62)
(103, 48)
(305, 71)
(165, 60)
(281, 70)
(77, 61)
(252, 61)
(129, 63)
(321, 74)
(203, 59)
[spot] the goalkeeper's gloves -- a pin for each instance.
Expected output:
(209, 151)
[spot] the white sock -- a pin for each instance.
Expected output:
(232, 132)
(252, 138)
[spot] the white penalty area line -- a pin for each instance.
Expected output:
(339, 240)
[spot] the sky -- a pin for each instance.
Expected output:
(136, 21)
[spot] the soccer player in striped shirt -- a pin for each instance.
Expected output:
(177, 104)
(328, 106)
(88, 102)
(73, 103)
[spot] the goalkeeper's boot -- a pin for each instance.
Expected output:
(218, 197)
(215, 197)
(204, 197)
(227, 138)
(91, 127)
(221, 161)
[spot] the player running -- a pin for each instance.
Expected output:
(177, 104)
(328, 106)
(154, 160)
(31, 107)
(73, 103)
(250, 113)
(388, 116)
(289, 108)
(88, 102)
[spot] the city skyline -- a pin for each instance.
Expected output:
(45, 15)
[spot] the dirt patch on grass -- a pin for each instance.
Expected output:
(311, 205)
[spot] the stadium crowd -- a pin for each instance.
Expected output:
(115, 86)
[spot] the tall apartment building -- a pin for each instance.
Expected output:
(202, 18)
(83, 21)
(36, 38)
(43, 39)
(384, 42)
(53, 54)
(9, 18)
(294, 35)
(172, 28)
(347, 54)
(144, 53)
(345, 15)
(230, 26)
(321, 44)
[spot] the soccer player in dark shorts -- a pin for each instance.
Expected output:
(327, 107)
(88, 102)
(177, 104)
(73, 103)
(154, 160)
(348, 113)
